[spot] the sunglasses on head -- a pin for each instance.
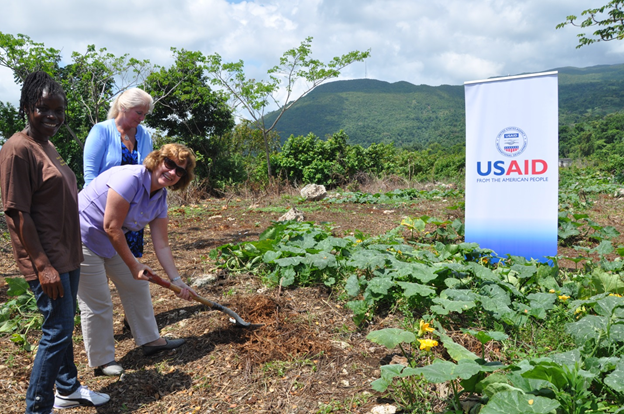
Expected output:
(179, 171)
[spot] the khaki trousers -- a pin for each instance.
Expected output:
(96, 306)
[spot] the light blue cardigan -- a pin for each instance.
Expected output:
(103, 148)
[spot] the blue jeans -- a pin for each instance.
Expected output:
(54, 362)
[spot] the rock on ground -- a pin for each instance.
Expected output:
(384, 409)
(313, 192)
(204, 280)
(292, 214)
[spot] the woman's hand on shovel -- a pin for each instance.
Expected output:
(186, 292)
(177, 285)
(140, 271)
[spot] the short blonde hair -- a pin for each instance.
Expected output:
(179, 152)
(131, 98)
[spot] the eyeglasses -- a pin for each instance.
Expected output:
(179, 171)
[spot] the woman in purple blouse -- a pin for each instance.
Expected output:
(121, 199)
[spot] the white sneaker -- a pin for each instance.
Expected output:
(82, 397)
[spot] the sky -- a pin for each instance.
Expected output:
(430, 42)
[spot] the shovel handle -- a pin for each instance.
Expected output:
(167, 284)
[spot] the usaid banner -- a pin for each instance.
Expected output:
(512, 165)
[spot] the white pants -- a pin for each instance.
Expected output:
(96, 306)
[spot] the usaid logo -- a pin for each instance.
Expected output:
(511, 142)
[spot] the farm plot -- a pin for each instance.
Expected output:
(366, 304)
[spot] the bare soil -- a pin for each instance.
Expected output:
(308, 355)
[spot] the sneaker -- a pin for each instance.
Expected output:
(82, 397)
(112, 369)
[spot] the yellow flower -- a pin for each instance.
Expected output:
(615, 294)
(564, 297)
(424, 328)
(552, 290)
(427, 344)
(358, 241)
(530, 402)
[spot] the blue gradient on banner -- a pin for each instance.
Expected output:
(532, 240)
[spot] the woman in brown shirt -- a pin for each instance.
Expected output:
(39, 197)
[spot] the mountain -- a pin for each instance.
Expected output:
(590, 92)
(416, 116)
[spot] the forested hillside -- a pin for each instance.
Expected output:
(415, 116)
(593, 92)
(374, 111)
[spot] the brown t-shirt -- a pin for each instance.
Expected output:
(36, 180)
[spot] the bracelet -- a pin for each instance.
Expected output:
(176, 278)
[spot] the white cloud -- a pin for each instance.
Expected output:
(470, 67)
(423, 42)
(8, 88)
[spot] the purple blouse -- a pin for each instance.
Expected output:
(132, 182)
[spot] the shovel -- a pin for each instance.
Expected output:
(237, 320)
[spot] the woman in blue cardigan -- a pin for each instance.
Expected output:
(120, 140)
(121, 132)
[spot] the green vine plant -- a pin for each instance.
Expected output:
(19, 315)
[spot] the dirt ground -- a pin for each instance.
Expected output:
(309, 357)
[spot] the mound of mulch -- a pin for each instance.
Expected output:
(285, 334)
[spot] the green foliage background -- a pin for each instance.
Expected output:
(337, 133)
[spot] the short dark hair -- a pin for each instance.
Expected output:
(181, 153)
(32, 90)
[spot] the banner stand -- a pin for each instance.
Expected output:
(512, 176)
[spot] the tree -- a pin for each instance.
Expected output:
(187, 108)
(611, 25)
(332, 162)
(93, 79)
(255, 96)
(24, 56)
(249, 141)
(90, 82)
(9, 121)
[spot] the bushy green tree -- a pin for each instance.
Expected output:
(308, 159)
(593, 139)
(379, 159)
(10, 122)
(23, 56)
(188, 109)
(242, 157)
